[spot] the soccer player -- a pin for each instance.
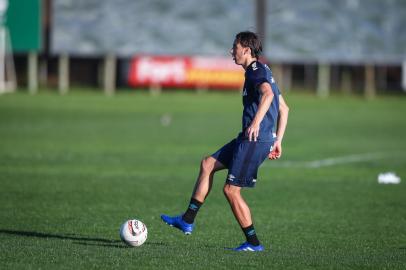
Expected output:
(264, 121)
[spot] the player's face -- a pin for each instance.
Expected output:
(238, 53)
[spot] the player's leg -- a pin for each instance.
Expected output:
(242, 214)
(238, 205)
(243, 170)
(204, 182)
(209, 165)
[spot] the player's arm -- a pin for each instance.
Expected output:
(280, 132)
(267, 96)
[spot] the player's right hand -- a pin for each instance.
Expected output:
(276, 151)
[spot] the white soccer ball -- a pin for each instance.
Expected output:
(133, 232)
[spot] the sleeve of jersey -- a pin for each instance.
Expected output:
(274, 86)
(261, 76)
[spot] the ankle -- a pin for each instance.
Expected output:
(191, 212)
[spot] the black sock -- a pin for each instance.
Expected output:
(251, 235)
(191, 212)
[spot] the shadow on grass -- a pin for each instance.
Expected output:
(91, 241)
(59, 236)
(79, 240)
(117, 245)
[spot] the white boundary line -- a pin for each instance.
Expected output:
(330, 161)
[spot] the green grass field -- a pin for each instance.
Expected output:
(74, 167)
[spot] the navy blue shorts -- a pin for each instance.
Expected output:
(242, 158)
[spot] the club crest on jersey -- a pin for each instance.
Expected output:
(244, 93)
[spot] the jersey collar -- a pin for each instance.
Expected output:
(249, 66)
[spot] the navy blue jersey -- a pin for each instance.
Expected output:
(256, 74)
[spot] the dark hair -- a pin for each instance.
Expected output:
(251, 40)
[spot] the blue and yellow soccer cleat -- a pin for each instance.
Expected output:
(179, 223)
(248, 247)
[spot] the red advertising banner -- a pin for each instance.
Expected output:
(185, 72)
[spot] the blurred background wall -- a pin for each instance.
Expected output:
(321, 46)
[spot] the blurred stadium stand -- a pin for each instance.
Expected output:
(349, 45)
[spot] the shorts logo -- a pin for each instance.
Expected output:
(231, 177)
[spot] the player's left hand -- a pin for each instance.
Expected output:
(252, 132)
(276, 151)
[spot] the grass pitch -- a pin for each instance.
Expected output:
(73, 168)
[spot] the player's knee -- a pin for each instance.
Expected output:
(230, 191)
(207, 165)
